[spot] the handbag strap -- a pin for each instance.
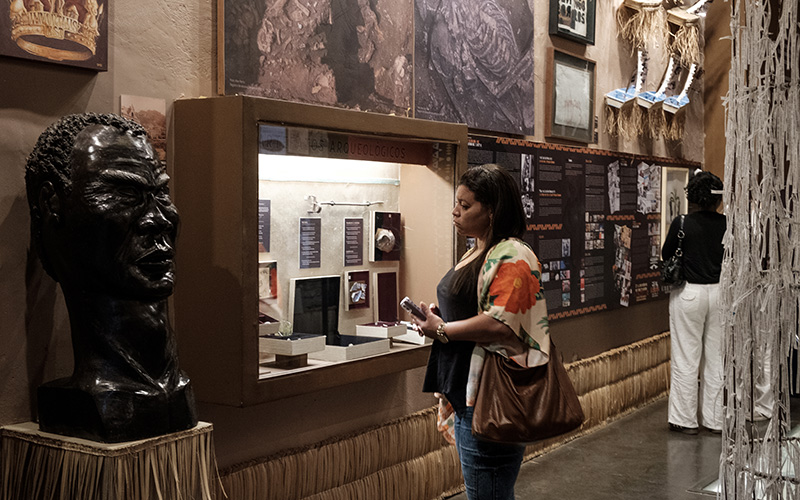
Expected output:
(681, 234)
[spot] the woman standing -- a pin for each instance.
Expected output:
(694, 316)
(491, 300)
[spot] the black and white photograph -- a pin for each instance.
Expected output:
(573, 19)
(343, 53)
(473, 63)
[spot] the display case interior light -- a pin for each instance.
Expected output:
(310, 169)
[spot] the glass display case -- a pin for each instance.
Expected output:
(301, 228)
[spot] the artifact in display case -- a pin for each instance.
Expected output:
(314, 303)
(386, 236)
(276, 182)
(387, 324)
(357, 290)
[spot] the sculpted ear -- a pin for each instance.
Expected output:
(49, 204)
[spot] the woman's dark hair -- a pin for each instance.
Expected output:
(699, 190)
(495, 189)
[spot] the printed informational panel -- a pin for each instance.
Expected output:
(594, 220)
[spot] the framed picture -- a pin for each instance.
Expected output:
(69, 32)
(356, 290)
(573, 19)
(673, 196)
(570, 107)
(347, 53)
(268, 280)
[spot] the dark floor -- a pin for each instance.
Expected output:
(633, 458)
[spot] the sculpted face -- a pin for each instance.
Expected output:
(119, 220)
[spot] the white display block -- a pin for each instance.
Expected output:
(412, 337)
(381, 329)
(268, 328)
(293, 345)
(352, 347)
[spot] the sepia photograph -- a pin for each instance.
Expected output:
(150, 113)
(343, 53)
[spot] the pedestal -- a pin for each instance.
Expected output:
(39, 465)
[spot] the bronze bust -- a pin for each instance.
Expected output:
(104, 226)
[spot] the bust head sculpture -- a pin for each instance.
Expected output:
(104, 226)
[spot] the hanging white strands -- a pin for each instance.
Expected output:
(759, 282)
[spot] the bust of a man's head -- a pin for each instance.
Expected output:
(101, 214)
(104, 226)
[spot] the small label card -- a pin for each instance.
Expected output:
(263, 225)
(310, 238)
(353, 241)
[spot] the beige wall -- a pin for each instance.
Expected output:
(167, 50)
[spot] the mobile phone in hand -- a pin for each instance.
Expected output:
(413, 308)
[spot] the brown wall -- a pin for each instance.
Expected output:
(166, 50)
(717, 65)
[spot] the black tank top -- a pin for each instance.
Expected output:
(448, 364)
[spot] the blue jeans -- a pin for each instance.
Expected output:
(490, 469)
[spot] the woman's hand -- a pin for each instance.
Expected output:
(432, 320)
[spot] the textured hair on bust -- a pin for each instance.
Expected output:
(495, 189)
(699, 190)
(51, 161)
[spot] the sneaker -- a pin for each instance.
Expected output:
(685, 430)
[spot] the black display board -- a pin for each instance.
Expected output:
(593, 220)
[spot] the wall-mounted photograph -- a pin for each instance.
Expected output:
(150, 113)
(473, 63)
(573, 19)
(70, 32)
(344, 53)
(570, 105)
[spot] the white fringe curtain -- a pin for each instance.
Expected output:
(759, 282)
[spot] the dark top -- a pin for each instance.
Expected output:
(448, 364)
(702, 245)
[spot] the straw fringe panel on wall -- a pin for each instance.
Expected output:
(407, 459)
(761, 267)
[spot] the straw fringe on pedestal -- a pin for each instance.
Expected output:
(39, 466)
(407, 459)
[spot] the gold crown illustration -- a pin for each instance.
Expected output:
(60, 30)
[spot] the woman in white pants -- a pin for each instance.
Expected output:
(694, 316)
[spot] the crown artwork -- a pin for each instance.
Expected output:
(60, 30)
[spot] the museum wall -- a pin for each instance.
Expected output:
(168, 50)
(156, 49)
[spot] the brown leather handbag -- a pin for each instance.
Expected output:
(523, 405)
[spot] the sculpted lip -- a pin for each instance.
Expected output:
(156, 261)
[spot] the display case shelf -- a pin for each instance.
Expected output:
(217, 188)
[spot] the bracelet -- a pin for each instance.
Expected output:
(440, 334)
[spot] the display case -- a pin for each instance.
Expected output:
(300, 224)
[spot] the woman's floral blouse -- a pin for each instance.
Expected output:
(509, 290)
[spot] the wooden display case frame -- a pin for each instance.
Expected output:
(215, 187)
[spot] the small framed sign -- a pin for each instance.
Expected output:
(573, 19)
